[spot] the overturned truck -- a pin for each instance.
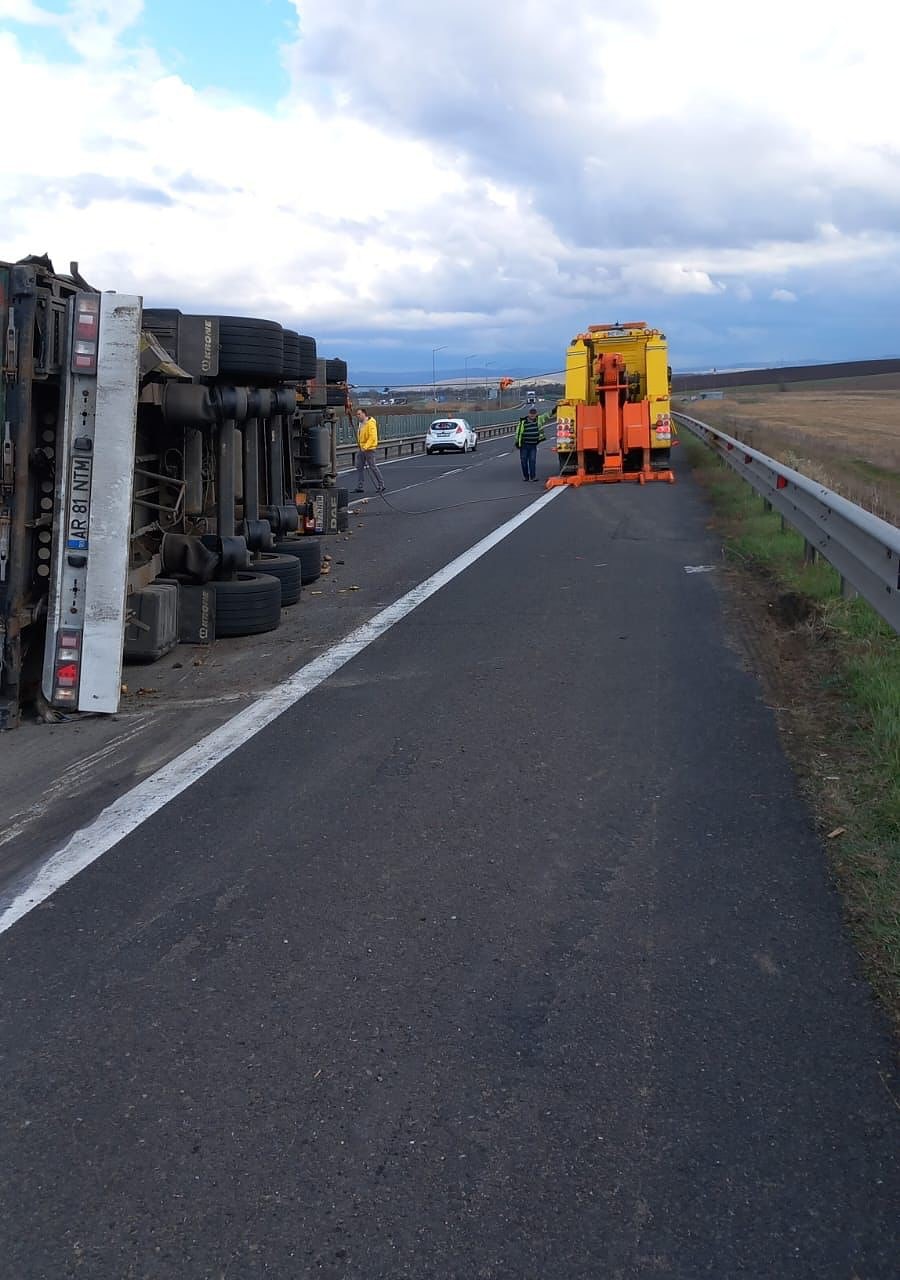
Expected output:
(163, 477)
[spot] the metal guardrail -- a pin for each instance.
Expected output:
(416, 444)
(406, 425)
(864, 549)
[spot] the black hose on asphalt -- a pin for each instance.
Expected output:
(453, 506)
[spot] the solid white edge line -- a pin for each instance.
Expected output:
(133, 808)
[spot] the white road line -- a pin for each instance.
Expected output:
(140, 803)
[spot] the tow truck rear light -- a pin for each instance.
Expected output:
(87, 324)
(67, 674)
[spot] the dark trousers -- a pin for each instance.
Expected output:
(528, 459)
(365, 458)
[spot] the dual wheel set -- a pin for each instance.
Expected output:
(251, 601)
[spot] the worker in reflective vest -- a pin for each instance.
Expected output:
(529, 434)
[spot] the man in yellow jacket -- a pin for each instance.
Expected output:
(367, 442)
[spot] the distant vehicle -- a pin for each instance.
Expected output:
(531, 397)
(450, 433)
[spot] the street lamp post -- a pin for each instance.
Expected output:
(466, 367)
(434, 352)
(487, 365)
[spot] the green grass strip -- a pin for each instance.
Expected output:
(864, 671)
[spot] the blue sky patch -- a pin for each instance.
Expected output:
(235, 48)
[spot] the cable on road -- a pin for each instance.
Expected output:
(430, 511)
(453, 506)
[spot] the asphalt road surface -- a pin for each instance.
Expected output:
(507, 953)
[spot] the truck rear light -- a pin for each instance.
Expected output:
(67, 666)
(87, 325)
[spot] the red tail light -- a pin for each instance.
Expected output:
(67, 670)
(87, 325)
(459, 431)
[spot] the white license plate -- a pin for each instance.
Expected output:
(80, 472)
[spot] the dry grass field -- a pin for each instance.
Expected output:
(846, 439)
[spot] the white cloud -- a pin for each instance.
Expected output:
(491, 172)
(25, 11)
(668, 277)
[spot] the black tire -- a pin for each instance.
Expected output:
(250, 348)
(343, 520)
(335, 396)
(429, 452)
(247, 604)
(343, 498)
(291, 370)
(286, 569)
(309, 553)
(306, 360)
(335, 370)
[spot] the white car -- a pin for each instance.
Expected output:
(450, 433)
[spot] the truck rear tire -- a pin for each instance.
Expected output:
(247, 604)
(335, 370)
(250, 348)
(290, 371)
(307, 362)
(309, 552)
(286, 569)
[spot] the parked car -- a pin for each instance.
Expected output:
(450, 433)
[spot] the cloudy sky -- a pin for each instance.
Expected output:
(394, 176)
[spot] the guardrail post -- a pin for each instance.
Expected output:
(767, 506)
(809, 553)
(784, 525)
(848, 592)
